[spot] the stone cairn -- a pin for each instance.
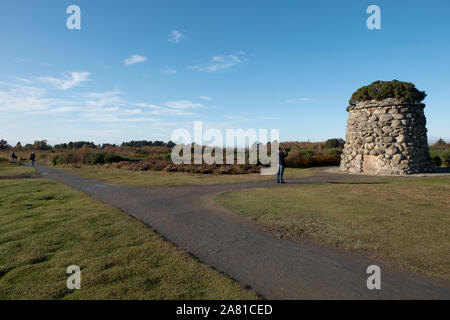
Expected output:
(386, 137)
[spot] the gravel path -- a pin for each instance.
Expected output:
(274, 268)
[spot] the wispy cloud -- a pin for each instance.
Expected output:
(206, 98)
(102, 107)
(292, 101)
(183, 104)
(219, 63)
(27, 81)
(28, 99)
(169, 71)
(176, 36)
(134, 59)
(69, 80)
(101, 99)
(22, 60)
(114, 118)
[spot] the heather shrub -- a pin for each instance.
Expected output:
(379, 90)
(64, 158)
(436, 161)
(334, 152)
(446, 158)
(104, 157)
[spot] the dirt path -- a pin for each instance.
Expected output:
(274, 268)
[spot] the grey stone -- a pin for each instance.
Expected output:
(386, 137)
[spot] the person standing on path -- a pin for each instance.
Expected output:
(282, 154)
(14, 157)
(32, 158)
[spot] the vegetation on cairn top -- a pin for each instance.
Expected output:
(380, 90)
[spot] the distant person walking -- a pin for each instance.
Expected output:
(32, 158)
(14, 157)
(282, 154)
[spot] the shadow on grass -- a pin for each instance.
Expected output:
(338, 182)
(360, 182)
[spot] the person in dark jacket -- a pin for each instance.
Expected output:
(282, 154)
(32, 158)
(14, 157)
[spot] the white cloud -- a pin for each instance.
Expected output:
(27, 81)
(104, 94)
(206, 98)
(109, 98)
(103, 107)
(56, 110)
(69, 80)
(219, 63)
(113, 118)
(169, 71)
(134, 59)
(28, 99)
(183, 104)
(176, 36)
(292, 101)
(165, 124)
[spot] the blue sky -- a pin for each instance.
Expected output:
(141, 69)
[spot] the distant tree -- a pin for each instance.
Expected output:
(334, 143)
(108, 145)
(171, 144)
(76, 145)
(60, 146)
(145, 143)
(4, 145)
(441, 142)
(41, 145)
(19, 146)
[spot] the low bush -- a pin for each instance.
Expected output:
(379, 90)
(440, 153)
(446, 159)
(334, 151)
(104, 157)
(436, 161)
(90, 158)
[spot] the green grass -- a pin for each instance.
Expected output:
(46, 226)
(13, 170)
(405, 221)
(125, 177)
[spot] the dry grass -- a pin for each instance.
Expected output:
(401, 220)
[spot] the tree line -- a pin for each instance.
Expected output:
(44, 145)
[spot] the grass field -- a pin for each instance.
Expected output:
(124, 177)
(405, 221)
(46, 226)
(14, 170)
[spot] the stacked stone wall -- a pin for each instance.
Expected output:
(386, 137)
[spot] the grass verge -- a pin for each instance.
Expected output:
(405, 221)
(131, 178)
(46, 227)
(9, 170)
